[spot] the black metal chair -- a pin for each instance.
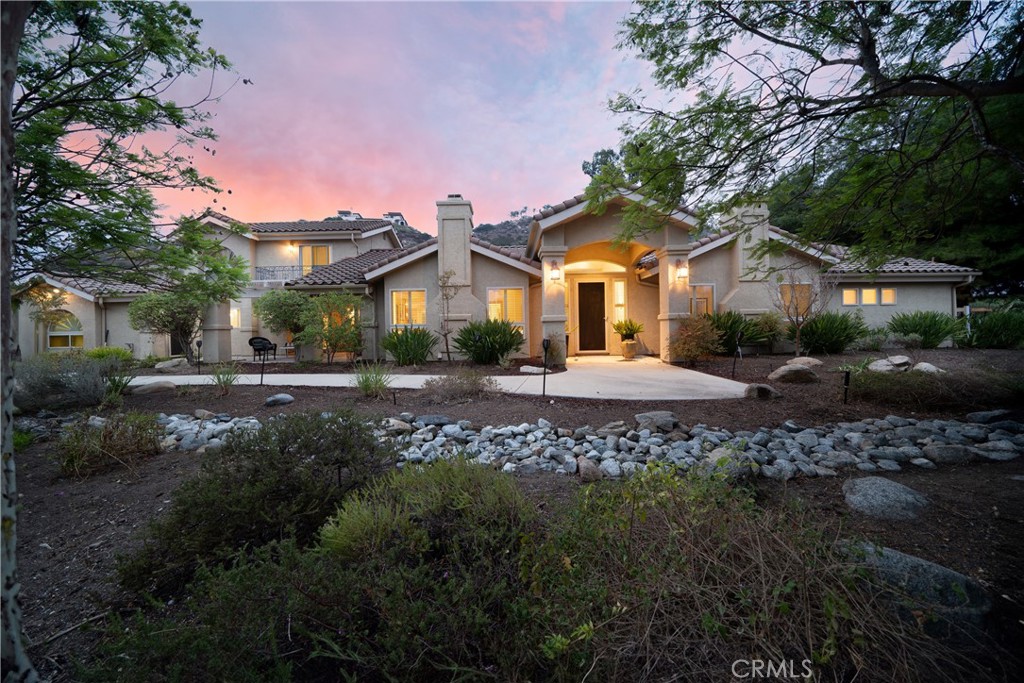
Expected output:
(261, 346)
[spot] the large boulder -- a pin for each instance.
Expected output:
(986, 416)
(883, 499)
(761, 391)
(928, 368)
(171, 364)
(153, 387)
(947, 454)
(657, 420)
(794, 374)
(279, 400)
(806, 361)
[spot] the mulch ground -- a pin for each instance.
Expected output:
(72, 530)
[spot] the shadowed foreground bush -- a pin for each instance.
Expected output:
(445, 574)
(281, 481)
(121, 442)
(963, 389)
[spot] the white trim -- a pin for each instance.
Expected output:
(501, 258)
(400, 263)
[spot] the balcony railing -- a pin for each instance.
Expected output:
(281, 272)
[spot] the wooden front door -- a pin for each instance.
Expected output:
(591, 316)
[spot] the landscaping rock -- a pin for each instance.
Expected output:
(611, 468)
(882, 365)
(883, 499)
(656, 420)
(279, 400)
(806, 361)
(171, 364)
(947, 454)
(97, 422)
(434, 420)
(153, 387)
(928, 368)
(986, 416)
(201, 414)
(761, 391)
(794, 374)
(999, 451)
(902, 362)
(588, 470)
(531, 370)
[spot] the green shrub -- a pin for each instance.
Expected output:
(280, 481)
(997, 330)
(462, 386)
(60, 380)
(121, 442)
(695, 339)
(731, 323)
(768, 329)
(226, 376)
(873, 340)
(417, 579)
(373, 380)
(830, 332)
(933, 327)
(122, 355)
(411, 346)
(150, 361)
(22, 440)
(487, 342)
(628, 328)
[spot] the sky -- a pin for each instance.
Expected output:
(390, 106)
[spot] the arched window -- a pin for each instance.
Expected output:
(65, 333)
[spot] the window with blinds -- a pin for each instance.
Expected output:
(796, 300)
(408, 308)
(314, 256)
(506, 304)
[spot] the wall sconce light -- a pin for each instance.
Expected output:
(556, 274)
(682, 272)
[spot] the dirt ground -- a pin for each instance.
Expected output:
(72, 530)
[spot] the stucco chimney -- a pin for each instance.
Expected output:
(751, 221)
(454, 228)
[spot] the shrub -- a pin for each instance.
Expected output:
(59, 380)
(121, 355)
(731, 323)
(331, 321)
(411, 346)
(873, 340)
(768, 329)
(997, 330)
(934, 327)
(487, 342)
(117, 382)
(830, 332)
(465, 385)
(695, 339)
(226, 376)
(280, 481)
(414, 579)
(121, 442)
(373, 380)
(22, 440)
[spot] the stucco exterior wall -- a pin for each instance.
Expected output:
(491, 274)
(910, 297)
(718, 268)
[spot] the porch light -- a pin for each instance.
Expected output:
(682, 272)
(556, 274)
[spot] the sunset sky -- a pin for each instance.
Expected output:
(390, 106)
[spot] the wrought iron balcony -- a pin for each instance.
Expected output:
(281, 272)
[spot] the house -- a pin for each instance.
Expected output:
(570, 283)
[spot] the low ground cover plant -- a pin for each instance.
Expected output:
(278, 482)
(487, 342)
(409, 346)
(830, 332)
(932, 326)
(463, 385)
(61, 380)
(226, 376)
(121, 441)
(445, 573)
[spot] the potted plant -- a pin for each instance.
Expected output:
(628, 329)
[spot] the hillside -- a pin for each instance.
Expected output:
(510, 232)
(410, 236)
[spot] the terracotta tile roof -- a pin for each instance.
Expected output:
(100, 288)
(516, 253)
(559, 207)
(402, 253)
(902, 265)
(363, 225)
(349, 271)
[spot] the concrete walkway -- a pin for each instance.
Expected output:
(610, 377)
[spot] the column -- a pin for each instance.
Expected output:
(217, 333)
(673, 293)
(552, 315)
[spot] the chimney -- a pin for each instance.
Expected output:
(454, 228)
(751, 222)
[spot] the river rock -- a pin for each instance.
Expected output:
(588, 470)
(171, 364)
(279, 400)
(883, 499)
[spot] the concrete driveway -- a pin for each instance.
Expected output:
(609, 377)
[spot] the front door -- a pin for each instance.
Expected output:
(591, 316)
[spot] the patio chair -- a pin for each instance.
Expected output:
(261, 346)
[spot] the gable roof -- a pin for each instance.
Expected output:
(361, 225)
(349, 271)
(88, 288)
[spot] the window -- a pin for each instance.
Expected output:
(869, 296)
(408, 308)
(888, 296)
(236, 317)
(702, 299)
(314, 256)
(65, 333)
(849, 297)
(796, 300)
(506, 304)
(618, 301)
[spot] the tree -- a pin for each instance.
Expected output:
(331, 320)
(799, 294)
(901, 90)
(91, 78)
(448, 291)
(602, 157)
(177, 314)
(281, 310)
